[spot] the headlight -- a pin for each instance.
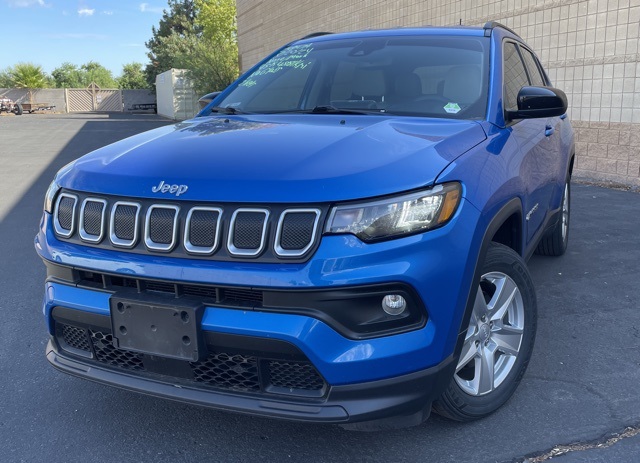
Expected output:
(53, 189)
(50, 196)
(399, 216)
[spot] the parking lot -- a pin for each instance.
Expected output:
(582, 386)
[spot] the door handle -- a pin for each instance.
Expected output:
(548, 131)
(563, 117)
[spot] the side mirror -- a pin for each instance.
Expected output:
(536, 102)
(208, 98)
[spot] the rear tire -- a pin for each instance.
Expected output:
(498, 342)
(17, 109)
(555, 242)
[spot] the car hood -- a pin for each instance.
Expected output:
(276, 158)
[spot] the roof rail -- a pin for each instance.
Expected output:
(490, 25)
(315, 34)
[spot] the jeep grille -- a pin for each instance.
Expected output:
(219, 232)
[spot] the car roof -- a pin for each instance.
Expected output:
(452, 31)
(405, 31)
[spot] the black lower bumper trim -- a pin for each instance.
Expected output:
(400, 396)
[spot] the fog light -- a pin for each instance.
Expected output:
(394, 304)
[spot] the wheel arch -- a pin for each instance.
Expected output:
(509, 232)
(572, 160)
(504, 226)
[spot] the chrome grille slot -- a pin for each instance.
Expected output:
(161, 227)
(296, 231)
(65, 215)
(92, 215)
(202, 230)
(123, 227)
(247, 233)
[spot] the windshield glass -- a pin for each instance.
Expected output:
(417, 76)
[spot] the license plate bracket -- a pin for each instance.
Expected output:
(161, 327)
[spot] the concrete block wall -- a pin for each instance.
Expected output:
(131, 97)
(608, 151)
(56, 96)
(590, 49)
(53, 96)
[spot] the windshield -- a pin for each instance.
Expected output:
(417, 76)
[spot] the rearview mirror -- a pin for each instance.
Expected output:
(534, 102)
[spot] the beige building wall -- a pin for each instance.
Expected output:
(590, 49)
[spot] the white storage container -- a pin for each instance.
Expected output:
(175, 96)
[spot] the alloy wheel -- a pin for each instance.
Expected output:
(494, 335)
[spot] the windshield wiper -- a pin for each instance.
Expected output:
(329, 109)
(325, 109)
(226, 110)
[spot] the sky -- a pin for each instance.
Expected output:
(50, 32)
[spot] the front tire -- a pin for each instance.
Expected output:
(498, 342)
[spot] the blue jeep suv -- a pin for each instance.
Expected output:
(340, 236)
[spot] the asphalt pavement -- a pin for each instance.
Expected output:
(579, 400)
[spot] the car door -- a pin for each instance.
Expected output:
(553, 128)
(536, 138)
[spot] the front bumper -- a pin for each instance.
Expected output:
(406, 395)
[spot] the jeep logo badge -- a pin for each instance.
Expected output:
(173, 189)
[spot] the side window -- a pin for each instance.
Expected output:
(515, 76)
(532, 67)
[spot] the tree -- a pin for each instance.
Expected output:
(213, 65)
(172, 40)
(200, 36)
(28, 75)
(96, 72)
(210, 67)
(5, 79)
(218, 20)
(67, 75)
(132, 77)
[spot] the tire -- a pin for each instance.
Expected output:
(17, 109)
(555, 242)
(498, 342)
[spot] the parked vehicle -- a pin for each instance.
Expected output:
(144, 107)
(9, 106)
(340, 236)
(33, 107)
